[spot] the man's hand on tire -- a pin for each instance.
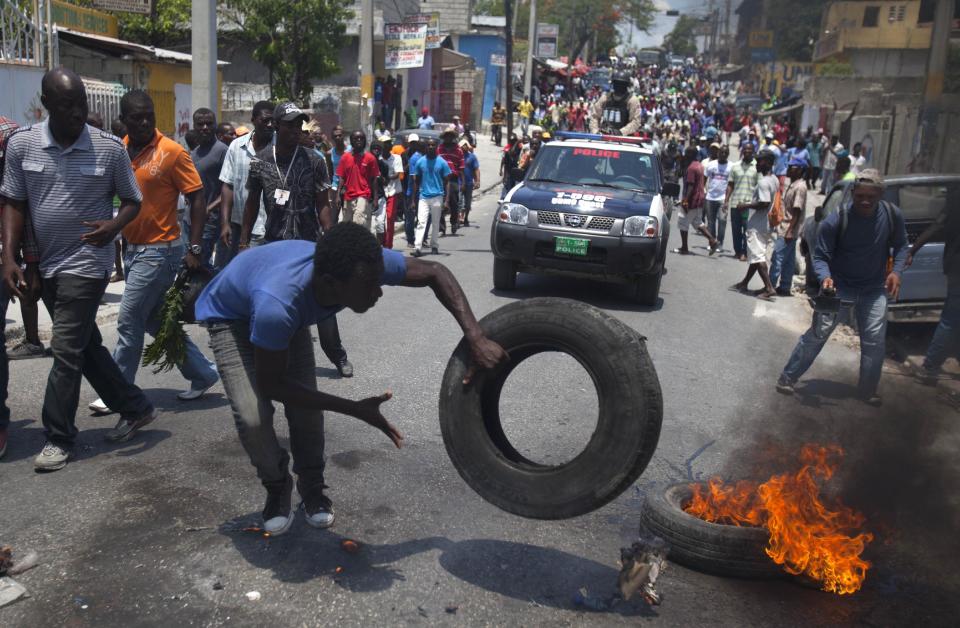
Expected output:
(484, 353)
(368, 411)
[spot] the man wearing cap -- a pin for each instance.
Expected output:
(850, 258)
(453, 155)
(358, 171)
(292, 184)
(784, 257)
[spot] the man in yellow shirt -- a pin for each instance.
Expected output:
(525, 109)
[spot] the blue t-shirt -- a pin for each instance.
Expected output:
(431, 173)
(410, 167)
(271, 287)
(470, 165)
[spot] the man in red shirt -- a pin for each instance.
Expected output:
(358, 172)
(453, 155)
(694, 194)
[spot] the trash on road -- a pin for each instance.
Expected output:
(640, 566)
(11, 591)
(9, 566)
(253, 596)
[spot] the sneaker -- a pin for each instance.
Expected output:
(345, 368)
(319, 514)
(99, 407)
(417, 253)
(26, 350)
(785, 386)
(873, 400)
(277, 512)
(434, 250)
(195, 393)
(52, 458)
(3, 441)
(125, 429)
(926, 376)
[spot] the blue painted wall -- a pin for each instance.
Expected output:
(480, 48)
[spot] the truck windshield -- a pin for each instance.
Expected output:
(602, 165)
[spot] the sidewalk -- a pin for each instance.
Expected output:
(109, 308)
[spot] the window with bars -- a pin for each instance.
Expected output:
(871, 16)
(897, 13)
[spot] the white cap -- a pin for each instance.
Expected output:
(413, 137)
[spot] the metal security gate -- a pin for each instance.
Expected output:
(104, 98)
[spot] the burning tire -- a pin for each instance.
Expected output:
(724, 550)
(628, 425)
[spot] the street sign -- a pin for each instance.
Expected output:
(547, 35)
(432, 20)
(85, 20)
(124, 6)
(761, 39)
(404, 45)
(498, 59)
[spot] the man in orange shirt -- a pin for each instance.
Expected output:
(155, 253)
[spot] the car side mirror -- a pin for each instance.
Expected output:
(818, 213)
(671, 189)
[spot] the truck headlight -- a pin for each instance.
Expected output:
(513, 213)
(641, 227)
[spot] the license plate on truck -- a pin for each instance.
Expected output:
(571, 246)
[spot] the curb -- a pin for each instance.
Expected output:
(14, 333)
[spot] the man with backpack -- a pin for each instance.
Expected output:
(850, 259)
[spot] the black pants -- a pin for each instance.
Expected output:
(78, 351)
(497, 134)
(328, 332)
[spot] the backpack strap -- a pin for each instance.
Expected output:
(841, 228)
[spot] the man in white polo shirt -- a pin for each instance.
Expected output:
(66, 174)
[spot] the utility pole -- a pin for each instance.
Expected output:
(508, 37)
(365, 62)
(933, 93)
(203, 48)
(727, 37)
(531, 43)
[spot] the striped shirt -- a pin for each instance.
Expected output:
(235, 170)
(64, 187)
(744, 179)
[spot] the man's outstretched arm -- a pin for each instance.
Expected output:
(437, 277)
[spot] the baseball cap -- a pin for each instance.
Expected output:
(769, 135)
(870, 176)
(287, 112)
(413, 137)
(715, 145)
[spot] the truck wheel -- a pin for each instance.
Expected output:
(646, 290)
(628, 426)
(504, 274)
(709, 547)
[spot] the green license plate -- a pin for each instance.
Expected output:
(571, 246)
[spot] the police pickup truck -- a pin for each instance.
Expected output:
(592, 206)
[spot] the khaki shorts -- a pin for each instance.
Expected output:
(757, 244)
(692, 216)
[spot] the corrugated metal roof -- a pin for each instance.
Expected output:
(111, 44)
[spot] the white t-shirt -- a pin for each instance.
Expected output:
(718, 175)
(394, 186)
(830, 157)
(767, 188)
(857, 164)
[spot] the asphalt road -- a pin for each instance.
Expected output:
(151, 532)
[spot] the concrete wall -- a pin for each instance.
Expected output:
(454, 14)
(896, 33)
(888, 63)
(86, 62)
(480, 47)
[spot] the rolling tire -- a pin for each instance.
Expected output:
(628, 425)
(722, 550)
(646, 290)
(504, 274)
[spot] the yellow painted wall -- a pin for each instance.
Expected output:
(774, 77)
(847, 18)
(159, 81)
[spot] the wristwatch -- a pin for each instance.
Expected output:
(196, 249)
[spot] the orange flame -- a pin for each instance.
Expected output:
(806, 536)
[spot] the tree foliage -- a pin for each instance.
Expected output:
(170, 25)
(682, 40)
(796, 27)
(296, 39)
(580, 20)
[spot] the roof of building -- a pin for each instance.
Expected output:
(119, 47)
(492, 21)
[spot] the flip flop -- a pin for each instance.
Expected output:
(766, 297)
(736, 288)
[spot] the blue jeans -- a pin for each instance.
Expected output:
(716, 221)
(149, 273)
(870, 308)
(783, 263)
(945, 338)
(4, 363)
(738, 223)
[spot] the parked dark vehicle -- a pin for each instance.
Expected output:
(921, 198)
(589, 208)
